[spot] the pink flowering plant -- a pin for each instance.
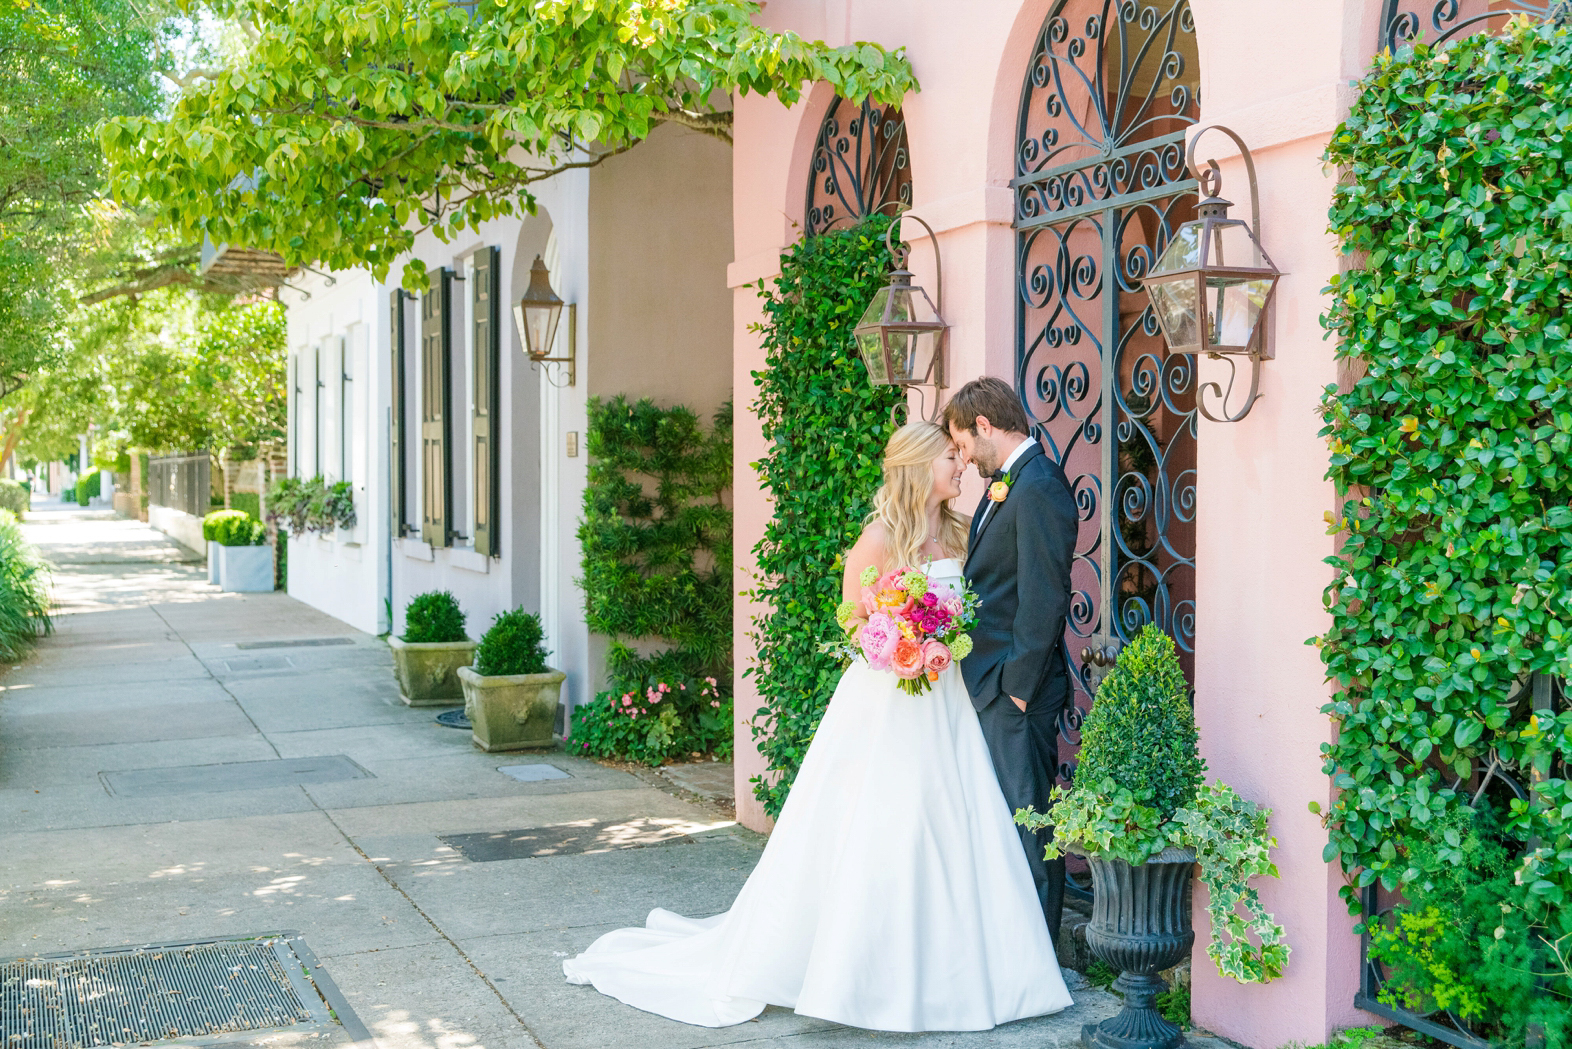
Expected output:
(661, 712)
(905, 623)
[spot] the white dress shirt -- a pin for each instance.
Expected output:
(1020, 450)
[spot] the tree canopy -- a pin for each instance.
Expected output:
(65, 65)
(174, 370)
(347, 127)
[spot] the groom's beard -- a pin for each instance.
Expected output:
(985, 456)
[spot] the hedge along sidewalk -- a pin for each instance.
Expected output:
(1450, 447)
(827, 425)
(656, 539)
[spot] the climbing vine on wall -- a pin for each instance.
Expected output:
(827, 426)
(1452, 445)
(656, 569)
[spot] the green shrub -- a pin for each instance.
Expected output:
(433, 617)
(87, 487)
(656, 540)
(1141, 732)
(826, 425)
(211, 522)
(24, 591)
(233, 528)
(14, 496)
(512, 645)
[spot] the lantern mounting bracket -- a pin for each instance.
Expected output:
(1213, 206)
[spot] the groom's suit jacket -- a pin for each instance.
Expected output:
(1018, 562)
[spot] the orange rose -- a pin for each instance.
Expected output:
(907, 661)
(998, 490)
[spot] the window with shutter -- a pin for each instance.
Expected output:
(484, 412)
(397, 418)
(436, 422)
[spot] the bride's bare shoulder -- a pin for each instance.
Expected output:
(870, 544)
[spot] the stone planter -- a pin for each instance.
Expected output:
(1140, 925)
(212, 562)
(245, 569)
(511, 711)
(427, 671)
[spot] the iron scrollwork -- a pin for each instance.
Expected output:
(1100, 185)
(861, 165)
(1437, 21)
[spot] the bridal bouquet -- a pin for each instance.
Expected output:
(906, 624)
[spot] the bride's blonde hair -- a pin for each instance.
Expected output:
(902, 501)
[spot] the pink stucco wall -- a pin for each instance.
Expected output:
(1261, 536)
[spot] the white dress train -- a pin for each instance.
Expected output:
(893, 894)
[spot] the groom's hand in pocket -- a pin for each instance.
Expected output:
(1018, 702)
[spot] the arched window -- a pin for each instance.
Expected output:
(860, 165)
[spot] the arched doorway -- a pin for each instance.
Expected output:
(1100, 185)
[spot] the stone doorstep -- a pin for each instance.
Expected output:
(711, 780)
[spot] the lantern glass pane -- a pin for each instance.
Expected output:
(1230, 244)
(540, 327)
(1177, 310)
(903, 349)
(872, 350)
(1233, 309)
(1183, 251)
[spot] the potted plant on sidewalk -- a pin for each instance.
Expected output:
(427, 658)
(239, 559)
(1142, 817)
(511, 694)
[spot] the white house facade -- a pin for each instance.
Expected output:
(467, 461)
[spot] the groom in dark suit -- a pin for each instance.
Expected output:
(1018, 562)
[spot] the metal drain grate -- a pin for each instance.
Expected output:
(152, 993)
(304, 642)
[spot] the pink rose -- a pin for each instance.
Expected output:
(878, 640)
(953, 606)
(907, 660)
(930, 599)
(869, 602)
(935, 656)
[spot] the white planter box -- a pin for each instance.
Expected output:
(212, 561)
(245, 569)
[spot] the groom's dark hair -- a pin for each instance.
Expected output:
(991, 398)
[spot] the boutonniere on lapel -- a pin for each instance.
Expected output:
(1000, 489)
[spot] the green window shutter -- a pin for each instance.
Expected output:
(436, 421)
(398, 483)
(485, 414)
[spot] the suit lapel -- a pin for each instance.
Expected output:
(1016, 471)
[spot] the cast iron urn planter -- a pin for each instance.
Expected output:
(1140, 925)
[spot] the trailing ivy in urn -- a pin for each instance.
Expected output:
(1451, 447)
(826, 424)
(656, 570)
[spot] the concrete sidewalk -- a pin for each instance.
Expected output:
(127, 815)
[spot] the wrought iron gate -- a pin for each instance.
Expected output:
(1100, 186)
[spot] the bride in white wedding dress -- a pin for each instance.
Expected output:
(893, 894)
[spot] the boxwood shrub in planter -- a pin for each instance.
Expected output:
(510, 693)
(239, 559)
(427, 658)
(1143, 818)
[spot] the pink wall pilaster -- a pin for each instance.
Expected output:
(1260, 531)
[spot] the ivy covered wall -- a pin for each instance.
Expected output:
(827, 426)
(1452, 444)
